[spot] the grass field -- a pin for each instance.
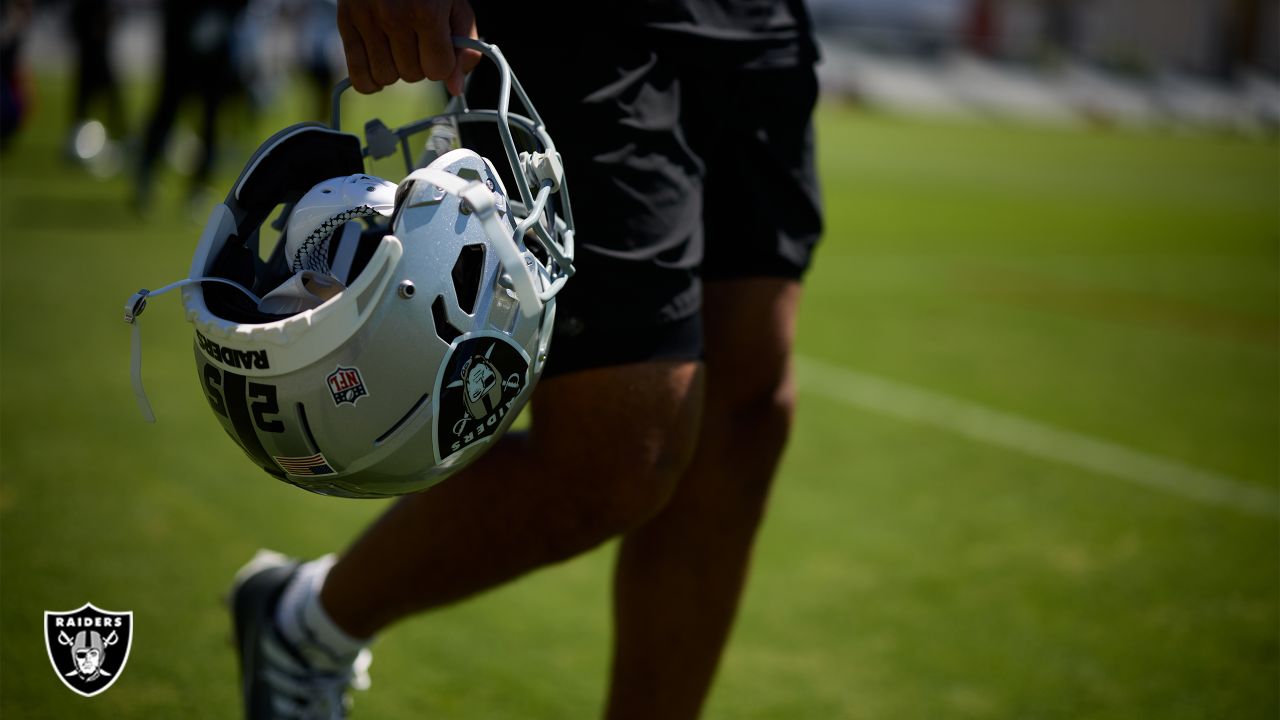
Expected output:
(1092, 286)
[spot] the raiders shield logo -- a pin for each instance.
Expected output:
(478, 386)
(88, 646)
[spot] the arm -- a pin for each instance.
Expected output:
(390, 40)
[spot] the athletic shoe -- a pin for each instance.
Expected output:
(280, 679)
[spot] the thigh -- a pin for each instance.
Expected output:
(613, 421)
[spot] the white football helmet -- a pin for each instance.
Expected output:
(442, 316)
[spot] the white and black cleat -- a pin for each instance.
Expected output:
(279, 679)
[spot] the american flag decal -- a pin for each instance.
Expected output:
(305, 466)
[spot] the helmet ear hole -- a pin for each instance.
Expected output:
(534, 245)
(444, 329)
(466, 276)
(271, 232)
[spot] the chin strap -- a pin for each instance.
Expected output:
(133, 309)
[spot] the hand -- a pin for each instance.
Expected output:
(390, 40)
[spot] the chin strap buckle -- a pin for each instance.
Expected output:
(132, 309)
(136, 304)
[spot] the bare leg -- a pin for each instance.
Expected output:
(605, 451)
(680, 576)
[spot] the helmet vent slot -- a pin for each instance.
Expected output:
(306, 428)
(444, 329)
(401, 422)
(466, 276)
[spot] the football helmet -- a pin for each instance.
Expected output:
(431, 299)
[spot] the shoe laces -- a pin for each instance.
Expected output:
(312, 690)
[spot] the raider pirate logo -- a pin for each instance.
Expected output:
(88, 647)
(478, 387)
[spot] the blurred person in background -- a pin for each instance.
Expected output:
(1240, 47)
(981, 30)
(320, 50)
(92, 23)
(15, 95)
(197, 63)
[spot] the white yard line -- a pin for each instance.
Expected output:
(1006, 430)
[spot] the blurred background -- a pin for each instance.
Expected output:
(1036, 469)
(1204, 63)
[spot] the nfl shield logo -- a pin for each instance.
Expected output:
(346, 385)
(88, 647)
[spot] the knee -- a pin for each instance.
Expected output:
(746, 429)
(641, 479)
(623, 485)
(620, 468)
(755, 416)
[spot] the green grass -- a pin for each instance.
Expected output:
(1115, 284)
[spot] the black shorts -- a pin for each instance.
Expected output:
(678, 173)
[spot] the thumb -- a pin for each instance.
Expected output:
(462, 22)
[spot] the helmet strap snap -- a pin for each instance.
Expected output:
(133, 309)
